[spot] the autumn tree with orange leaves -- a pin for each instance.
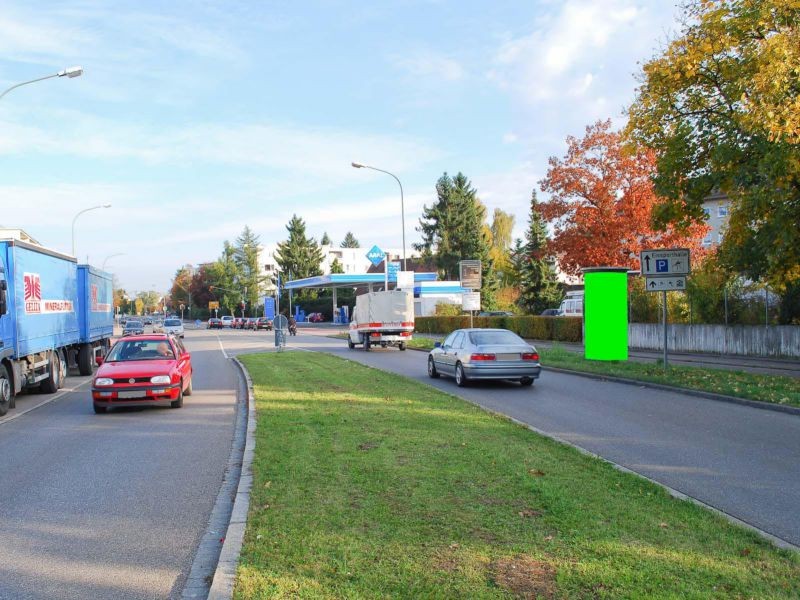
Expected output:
(601, 203)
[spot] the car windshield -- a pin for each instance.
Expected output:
(126, 350)
(172, 322)
(486, 338)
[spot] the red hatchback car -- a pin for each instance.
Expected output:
(146, 370)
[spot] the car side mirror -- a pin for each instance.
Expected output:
(99, 360)
(437, 344)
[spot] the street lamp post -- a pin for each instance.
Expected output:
(70, 73)
(402, 203)
(109, 257)
(76, 218)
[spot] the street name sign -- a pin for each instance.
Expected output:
(375, 255)
(470, 274)
(664, 263)
(661, 284)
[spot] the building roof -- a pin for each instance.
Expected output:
(348, 280)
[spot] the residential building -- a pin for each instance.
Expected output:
(717, 207)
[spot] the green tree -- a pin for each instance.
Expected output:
(539, 288)
(453, 229)
(180, 289)
(349, 241)
(721, 108)
(248, 277)
(299, 255)
(336, 266)
(224, 277)
(502, 226)
(325, 241)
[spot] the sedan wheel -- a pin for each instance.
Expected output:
(461, 378)
(526, 381)
(179, 402)
(432, 372)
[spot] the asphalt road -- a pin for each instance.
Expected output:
(741, 460)
(112, 506)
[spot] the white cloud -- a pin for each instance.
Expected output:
(510, 138)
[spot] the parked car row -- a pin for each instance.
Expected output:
(252, 323)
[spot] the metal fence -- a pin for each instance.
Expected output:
(747, 340)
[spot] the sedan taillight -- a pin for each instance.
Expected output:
(482, 357)
(530, 356)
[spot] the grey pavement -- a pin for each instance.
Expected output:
(741, 460)
(113, 506)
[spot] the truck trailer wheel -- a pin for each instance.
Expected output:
(6, 392)
(51, 384)
(402, 346)
(350, 343)
(367, 343)
(85, 365)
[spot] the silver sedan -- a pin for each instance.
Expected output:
(484, 354)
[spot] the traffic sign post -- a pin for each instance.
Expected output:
(665, 270)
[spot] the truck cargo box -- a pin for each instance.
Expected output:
(377, 311)
(42, 297)
(95, 304)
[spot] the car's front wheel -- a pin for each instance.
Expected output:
(188, 391)
(178, 403)
(461, 378)
(432, 372)
(100, 410)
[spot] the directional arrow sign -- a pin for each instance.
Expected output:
(661, 284)
(665, 262)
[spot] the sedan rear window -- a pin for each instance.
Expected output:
(486, 338)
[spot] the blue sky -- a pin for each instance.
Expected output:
(195, 118)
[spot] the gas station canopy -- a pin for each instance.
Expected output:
(339, 280)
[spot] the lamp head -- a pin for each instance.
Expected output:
(71, 72)
(357, 165)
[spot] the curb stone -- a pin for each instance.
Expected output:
(225, 574)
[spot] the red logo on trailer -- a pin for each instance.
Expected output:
(33, 293)
(96, 305)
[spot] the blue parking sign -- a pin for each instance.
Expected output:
(662, 265)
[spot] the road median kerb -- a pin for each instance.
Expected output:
(792, 410)
(225, 574)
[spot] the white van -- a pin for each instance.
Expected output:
(227, 321)
(572, 307)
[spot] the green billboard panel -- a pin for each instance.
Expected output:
(605, 313)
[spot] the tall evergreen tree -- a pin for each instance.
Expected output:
(336, 266)
(299, 256)
(349, 241)
(325, 241)
(539, 288)
(250, 277)
(453, 229)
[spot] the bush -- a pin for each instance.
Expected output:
(562, 329)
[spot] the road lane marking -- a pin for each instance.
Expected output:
(221, 347)
(53, 398)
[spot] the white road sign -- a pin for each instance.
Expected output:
(666, 262)
(471, 301)
(665, 284)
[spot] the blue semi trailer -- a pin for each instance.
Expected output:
(54, 314)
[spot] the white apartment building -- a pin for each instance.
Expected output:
(717, 208)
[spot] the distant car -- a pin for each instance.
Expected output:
(173, 327)
(148, 321)
(158, 327)
(551, 312)
(227, 321)
(495, 313)
(315, 318)
(214, 323)
(133, 327)
(484, 354)
(251, 323)
(237, 323)
(151, 370)
(264, 323)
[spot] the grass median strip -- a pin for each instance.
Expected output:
(368, 484)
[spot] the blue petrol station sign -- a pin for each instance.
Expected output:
(375, 255)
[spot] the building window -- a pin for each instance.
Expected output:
(722, 209)
(707, 240)
(707, 211)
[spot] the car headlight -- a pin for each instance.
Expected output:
(160, 379)
(103, 381)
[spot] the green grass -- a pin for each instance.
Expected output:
(775, 389)
(371, 485)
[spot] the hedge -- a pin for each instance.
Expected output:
(562, 329)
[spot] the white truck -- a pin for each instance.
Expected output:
(382, 318)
